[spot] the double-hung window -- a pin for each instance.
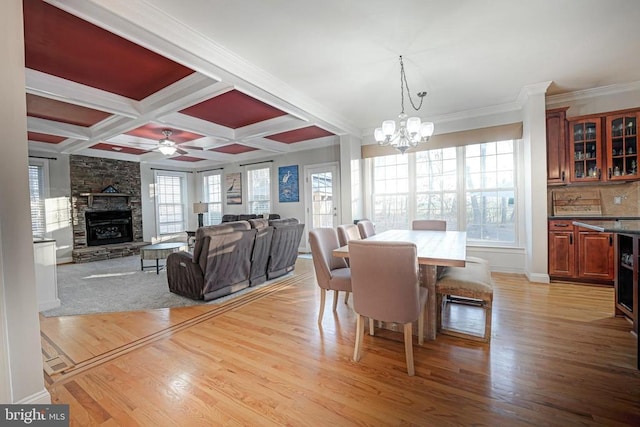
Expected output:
(37, 197)
(170, 202)
(212, 196)
(259, 190)
(472, 187)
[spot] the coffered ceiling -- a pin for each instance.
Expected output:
(237, 81)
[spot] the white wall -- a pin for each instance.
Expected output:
(20, 352)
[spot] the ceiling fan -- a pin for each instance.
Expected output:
(167, 146)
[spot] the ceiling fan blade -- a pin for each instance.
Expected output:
(178, 150)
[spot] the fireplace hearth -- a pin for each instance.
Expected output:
(108, 227)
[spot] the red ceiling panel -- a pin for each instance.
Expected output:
(58, 111)
(118, 149)
(154, 131)
(234, 110)
(66, 46)
(186, 159)
(304, 134)
(43, 137)
(233, 149)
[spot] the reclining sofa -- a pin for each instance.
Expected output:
(232, 256)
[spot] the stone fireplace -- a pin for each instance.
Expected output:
(106, 224)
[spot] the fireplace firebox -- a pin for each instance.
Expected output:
(108, 227)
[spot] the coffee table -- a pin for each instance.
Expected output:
(158, 251)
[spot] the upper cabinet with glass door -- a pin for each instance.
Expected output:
(585, 150)
(622, 146)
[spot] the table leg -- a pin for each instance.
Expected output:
(157, 265)
(428, 277)
(141, 264)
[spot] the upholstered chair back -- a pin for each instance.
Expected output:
(385, 280)
(323, 241)
(348, 232)
(203, 238)
(429, 224)
(366, 228)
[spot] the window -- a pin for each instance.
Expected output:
(37, 190)
(259, 190)
(471, 187)
(170, 203)
(212, 195)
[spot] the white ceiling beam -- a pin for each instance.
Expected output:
(35, 124)
(271, 127)
(53, 87)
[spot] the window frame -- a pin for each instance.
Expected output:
(209, 218)
(183, 200)
(44, 165)
(250, 202)
(461, 193)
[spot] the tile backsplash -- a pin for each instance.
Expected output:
(627, 192)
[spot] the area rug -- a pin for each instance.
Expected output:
(119, 285)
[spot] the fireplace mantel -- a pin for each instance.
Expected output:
(92, 195)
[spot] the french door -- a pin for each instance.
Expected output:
(322, 196)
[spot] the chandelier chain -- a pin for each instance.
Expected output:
(403, 84)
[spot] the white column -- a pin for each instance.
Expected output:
(350, 178)
(21, 380)
(535, 176)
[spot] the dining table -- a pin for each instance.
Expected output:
(434, 248)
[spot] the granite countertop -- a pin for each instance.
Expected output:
(629, 226)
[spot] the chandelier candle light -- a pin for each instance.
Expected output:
(412, 130)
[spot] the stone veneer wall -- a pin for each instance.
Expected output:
(92, 175)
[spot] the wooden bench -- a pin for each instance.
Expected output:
(472, 283)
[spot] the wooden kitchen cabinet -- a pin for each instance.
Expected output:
(557, 166)
(622, 146)
(580, 255)
(562, 249)
(595, 251)
(585, 150)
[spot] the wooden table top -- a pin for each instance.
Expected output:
(446, 248)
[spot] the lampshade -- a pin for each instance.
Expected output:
(200, 208)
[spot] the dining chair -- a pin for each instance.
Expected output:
(429, 224)
(332, 273)
(385, 286)
(347, 232)
(366, 228)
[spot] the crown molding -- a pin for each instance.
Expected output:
(579, 95)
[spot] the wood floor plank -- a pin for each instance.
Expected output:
(557, 357)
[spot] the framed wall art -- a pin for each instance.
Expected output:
(288, 188)
(233, 186)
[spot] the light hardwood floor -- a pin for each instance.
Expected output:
(557, 357)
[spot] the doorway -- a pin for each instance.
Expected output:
(322, 196)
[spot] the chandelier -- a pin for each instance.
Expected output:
(412, 130)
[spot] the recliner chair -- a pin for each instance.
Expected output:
(287, 234)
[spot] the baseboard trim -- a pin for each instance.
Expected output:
(538, 277)
(40, 398)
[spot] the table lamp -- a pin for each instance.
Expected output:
(200, 208)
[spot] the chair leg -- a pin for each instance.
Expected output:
(346, 297)
(359, 338)
(408, 348)
(487, 321)
(335, 300)
(323, 296)
(371, 327)
(423, 312)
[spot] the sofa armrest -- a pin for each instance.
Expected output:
(184, 276)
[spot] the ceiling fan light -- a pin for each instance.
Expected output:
(167, 150)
